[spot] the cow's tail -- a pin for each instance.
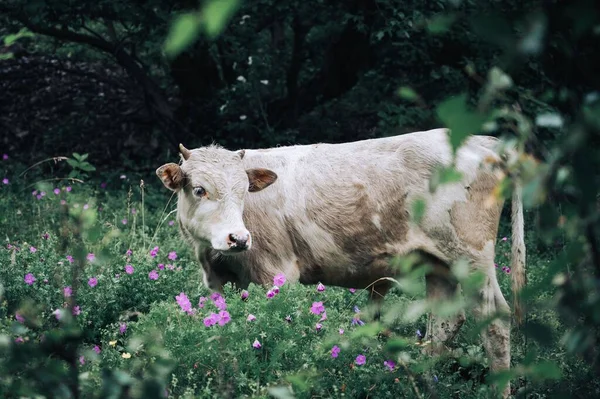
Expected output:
(518, 251)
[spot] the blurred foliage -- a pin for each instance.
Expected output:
(125, 82)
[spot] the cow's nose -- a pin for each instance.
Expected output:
(239, 240)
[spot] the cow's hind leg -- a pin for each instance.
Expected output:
(496, 335)
(441, 287)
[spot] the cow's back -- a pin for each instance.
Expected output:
(337, 210)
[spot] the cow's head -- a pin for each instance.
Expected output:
(212, 183)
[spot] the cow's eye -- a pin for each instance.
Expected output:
(199, 192)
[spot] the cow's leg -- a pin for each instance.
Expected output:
(496, 336)
(441, 286)
(377, 294)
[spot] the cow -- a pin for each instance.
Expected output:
(338, 213)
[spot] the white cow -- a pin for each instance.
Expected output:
(337, 213)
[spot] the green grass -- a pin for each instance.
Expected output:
(165, 348)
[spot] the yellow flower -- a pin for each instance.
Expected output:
(113, 343)
(126, 355)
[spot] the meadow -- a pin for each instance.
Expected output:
(100, 298)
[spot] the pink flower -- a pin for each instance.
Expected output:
(29, 278)
(171, 222)
(133, 212)
(224, 317)
(245, 295)
(124, 221)
(96, 349)
(128, 252)
(68, 189)
(320, 287)
(103, 185)
(317, 308)
(341, 331)
(251, 317)
(215, 295)
(184, 302)
(352, 290)
(91, 257)
(32, 250)
(63, 202)
(390, 364)
(275, 289)
(85, 206)
(324, 316)
(335, 351)
(211, 320)
(170, 267)
(122, 328)
(4, 157)
(92, 282)
(128, 269)
(19, 340)
(288, 318)
(45, 236)
(154, 252)
(270, 294)
(360, 360)
(69, 258)
(318, 326)
(172, 255)
(58, 313)
(256, 344)
(5, 181)
(82, 360)
(504, 238)
(76, 311)
(34, 193)
(279, 280)
(161, 266)
(220, 303)
(153, 275)
(67, 291)
(202, 301)
(56, 191)
(19, 318)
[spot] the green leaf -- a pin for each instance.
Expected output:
(418, 210)
(546, 370)
(216, 14)
(77, 156)
(442, 175)
(408, 93)
(183, 33)
(440, 23)
(73, 163)
(457, 117)
(281, 392)
(84, 157)
(87, 167)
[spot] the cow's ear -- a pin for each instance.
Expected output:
(171, 176)
(260, 179)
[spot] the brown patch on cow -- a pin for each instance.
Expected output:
(260, 178)
(171, 175)
(476, 221)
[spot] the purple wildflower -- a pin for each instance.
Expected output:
(352, 290)
(68, 189)
(76, 311)
(161, 266)
(171, 222)
(335, 351)
(211, 320)
(256, 344)
(320, 287)
(279, 280)
(435, 378)
(504, 238)
(356, 309)
(202, 301)
(69, 258)
(245, 295)
(56, 191)
(270, 294)
(34, 193)
(184, 302)
(341, 331)
(170, 267)
(220, 303)
(357, 321)
(360, 360)
(153, 275)
(19, 318)
(58, 313)
(96, 349)
(67, 291)
(154, 252)
(92, 282)
(128, 252)
(103, 185)
(318, 326)
(63, 202)
(275, 289)
(172, 255)
(124, 221)
(133, 211)
(251, 317)
(45, 236)
(86, 206)
(215, 295)
(4, 157)
(32, 250)
(5, 181)
(39, 196)
(390, 364)
(82, 360)
(317, 308)
(224, 317)
(29, 278)
(91, 257)
(122, 328)
(129, 269)
(323, 317)
(419, 335)
(288, 318)
(19, 340)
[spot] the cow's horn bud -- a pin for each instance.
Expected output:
(184, 151)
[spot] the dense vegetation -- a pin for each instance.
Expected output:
(95, 282)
